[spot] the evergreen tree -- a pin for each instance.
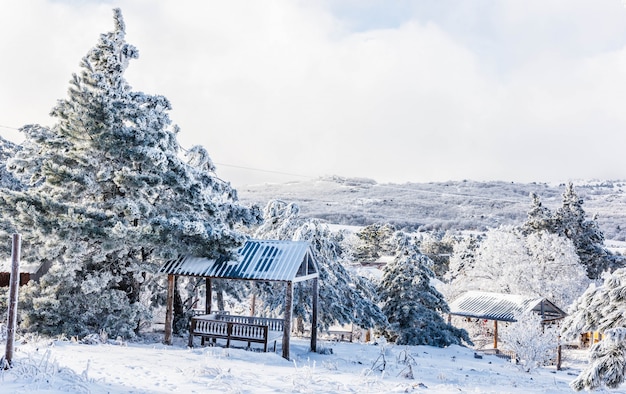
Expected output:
(571, 222)
(412, 305)
(438, 247)
(539, 218)
(601, 309)
(607, 363)
(110, 199)
(344, 296)
(375, 242)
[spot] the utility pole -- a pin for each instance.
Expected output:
(13, 288)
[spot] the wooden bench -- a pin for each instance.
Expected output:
(236, 328)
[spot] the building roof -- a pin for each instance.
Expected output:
(263, 260)
(502, 307)
(25, 266)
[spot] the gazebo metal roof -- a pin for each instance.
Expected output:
(263, 260)
(502, 307)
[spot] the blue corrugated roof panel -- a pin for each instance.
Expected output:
(268, 260)
(502, 307)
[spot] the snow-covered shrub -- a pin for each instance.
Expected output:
(534, 343)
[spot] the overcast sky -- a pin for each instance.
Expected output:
(396, 91)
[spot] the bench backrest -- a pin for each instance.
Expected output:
(228, 329)
(272, 324)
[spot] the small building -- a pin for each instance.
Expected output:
(503, 307)
(28, 272)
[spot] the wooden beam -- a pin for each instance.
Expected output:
(208, 297)
(253, 304)
(169, 311)
(314, 312)
(495, 334)
(287, 318)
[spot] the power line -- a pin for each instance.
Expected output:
(9, 127)
(376, 185)
(268, 171)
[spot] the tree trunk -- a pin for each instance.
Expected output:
(180, 322)
(219, 299)
(300, 325)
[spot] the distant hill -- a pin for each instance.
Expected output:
(462, 205)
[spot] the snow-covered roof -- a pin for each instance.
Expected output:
(502, 307)
(25, 266)
(265, 260)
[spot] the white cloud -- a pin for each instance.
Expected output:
(524, 91)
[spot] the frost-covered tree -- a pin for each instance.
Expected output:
(540, 264)
(599, 308)
(534, 343)
(555, 271)
(607, 363)
(438, 247)
(344, 296)
(375, 241)
(462, 261)
(109, 199)
(571, 222)
(539, 218)
(411, 303)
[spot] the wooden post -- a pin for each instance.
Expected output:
(252, 304)
(495, 334)
(169, 312)
(314, 312)
(13, 290)
(208, 297)
(287, 318)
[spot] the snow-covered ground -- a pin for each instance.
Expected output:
(46, 366)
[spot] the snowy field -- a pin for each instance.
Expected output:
(46, 366)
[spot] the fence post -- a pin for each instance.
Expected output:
(13, 288)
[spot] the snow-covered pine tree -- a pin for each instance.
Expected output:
(463, 255)
(599, 308)
(110, 199)
(539, 218)
(570, 221)
(607, 363)
(438, 246)
(374, 242)
(344, 296)
(411, 303)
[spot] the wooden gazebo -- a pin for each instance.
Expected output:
(503, 307)
(257, 260)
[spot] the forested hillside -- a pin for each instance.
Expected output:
(454, 205)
